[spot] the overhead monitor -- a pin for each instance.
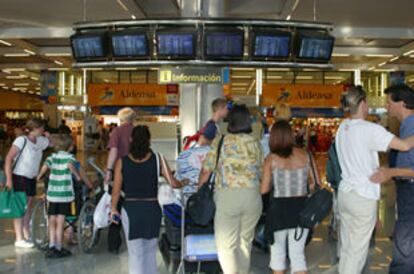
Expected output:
(224, 44)
(268, 45)
(314, 46)
(89, 46)
(176, 44)
(130, 44)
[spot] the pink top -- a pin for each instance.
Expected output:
(119, 139)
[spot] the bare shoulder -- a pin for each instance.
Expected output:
(300, 154)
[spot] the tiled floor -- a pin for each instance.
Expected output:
(320, 252)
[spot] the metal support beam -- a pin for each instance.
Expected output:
(27, 33)
(373, 33)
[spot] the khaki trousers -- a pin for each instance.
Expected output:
(358, 216)
(238, 211)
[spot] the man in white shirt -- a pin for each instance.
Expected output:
(358, 143)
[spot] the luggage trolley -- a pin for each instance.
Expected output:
(196, 251)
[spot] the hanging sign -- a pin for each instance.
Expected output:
(302, 95)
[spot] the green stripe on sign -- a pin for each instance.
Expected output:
(60, 193)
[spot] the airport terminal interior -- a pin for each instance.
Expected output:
(79, 62)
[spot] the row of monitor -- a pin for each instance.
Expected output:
(265, 44)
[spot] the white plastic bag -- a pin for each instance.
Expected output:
(166, 194)
(102, 214)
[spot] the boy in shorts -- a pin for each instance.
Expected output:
(60, 192)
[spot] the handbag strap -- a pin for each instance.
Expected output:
(220, 145)
(20, 154)
(314, 175)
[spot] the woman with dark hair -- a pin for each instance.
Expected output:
(137, 176)
(21, 168)
(237, 196)
(288, 171)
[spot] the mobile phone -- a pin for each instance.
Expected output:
(116, 218)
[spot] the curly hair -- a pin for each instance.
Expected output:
(141, 142)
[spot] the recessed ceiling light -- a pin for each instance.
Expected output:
(133, 17)
(346, 70)
(379, 55)
(394, 59)
(21, 84)
(31, 92)
(16, 77)
(304, 77)
(29, 52)
(340, 55)
(408, 52)
(5, 43)
(37, 88)
(58, 63)
(239, 84)
(57, 69)
(34, 78)
(14, 69)
(288, 17)
(16, 55)
(274, 77)
(37, 93)
(58, 54)
(242, 77)
(382, 64)
(334, 77)
(384, 70)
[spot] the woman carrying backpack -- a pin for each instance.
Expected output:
(287, 171)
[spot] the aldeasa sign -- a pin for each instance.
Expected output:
(132, 95)
(190, 75)
(302, 95)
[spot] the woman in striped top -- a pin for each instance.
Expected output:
(287, 172)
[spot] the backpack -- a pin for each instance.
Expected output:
(333, 168)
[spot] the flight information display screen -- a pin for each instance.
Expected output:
(134, 45)
(316, 48)
(273, 46)
(222, 45)
(88, 46)
(175, 44)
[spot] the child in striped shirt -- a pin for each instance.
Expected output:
(60, 192)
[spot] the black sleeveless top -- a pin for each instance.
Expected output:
(140, 180)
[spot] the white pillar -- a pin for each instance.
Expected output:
(196, 99)
(357, 77)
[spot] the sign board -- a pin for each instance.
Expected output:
(205, 75)
(48, 83)
(303, 95)
(132, 95)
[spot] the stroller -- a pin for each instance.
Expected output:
(185, 246)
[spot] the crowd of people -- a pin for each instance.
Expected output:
(246, 168)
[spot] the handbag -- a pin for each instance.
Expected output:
(166, 193)
(317, 206)
(200, 205)
(12, 204)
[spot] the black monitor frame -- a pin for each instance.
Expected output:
(134, 31)
(300, 35)
(172, 31)
(269, 32)
(231, 30)
(104, 41)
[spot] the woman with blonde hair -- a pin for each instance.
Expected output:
(21, 167)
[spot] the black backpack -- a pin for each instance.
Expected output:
(317, 206)
(200, 205)
(333, 168)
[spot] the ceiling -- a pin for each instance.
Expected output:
(370, 34)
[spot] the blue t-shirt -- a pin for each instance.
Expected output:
(209, 130)
(406, 159)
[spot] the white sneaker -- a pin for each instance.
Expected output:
(23, 244)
